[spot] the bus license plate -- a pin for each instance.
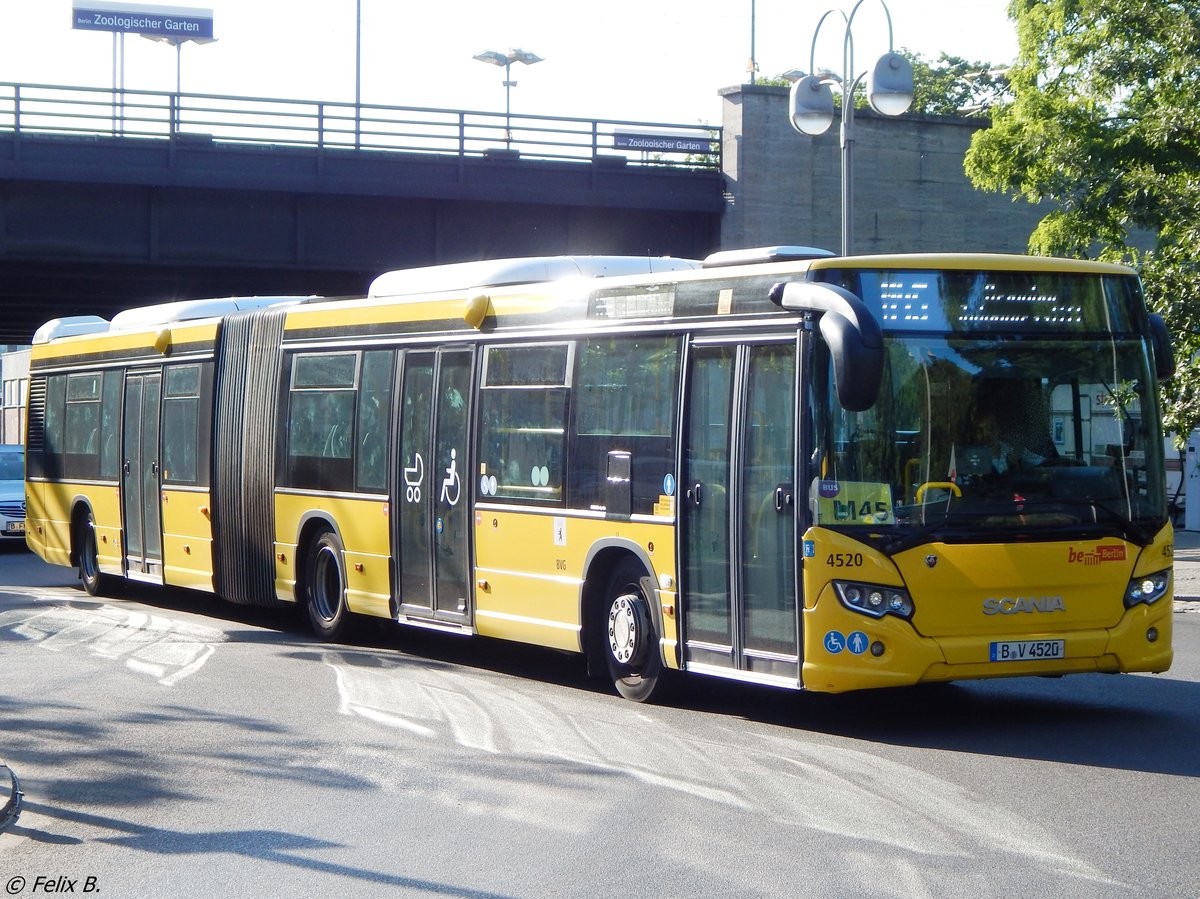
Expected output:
(1028, 650)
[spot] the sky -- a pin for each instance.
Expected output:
(657, 61)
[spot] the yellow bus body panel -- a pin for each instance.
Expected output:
(1080, 584)
(530, 570)
(187, 539)
(38, 535)
(48, 521)
(362, 524)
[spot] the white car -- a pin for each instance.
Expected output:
(12, 491)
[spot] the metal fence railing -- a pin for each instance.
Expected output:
(49, 109)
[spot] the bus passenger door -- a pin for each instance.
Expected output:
(433, 487)
(739, 590)
(141, 479)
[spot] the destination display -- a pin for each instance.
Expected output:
(961, 301)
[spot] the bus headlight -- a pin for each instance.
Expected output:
(875, 600)
(1149, 588)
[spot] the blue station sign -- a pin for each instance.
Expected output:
(663, 142)
(178, 22)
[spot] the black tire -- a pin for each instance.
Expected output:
(88, 555)
(325, 586)
(630, 639)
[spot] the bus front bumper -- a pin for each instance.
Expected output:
(847, 651)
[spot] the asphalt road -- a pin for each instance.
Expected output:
(172, 745)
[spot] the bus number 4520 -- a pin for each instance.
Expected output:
(844, 560)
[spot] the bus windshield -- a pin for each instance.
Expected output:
(976, 433)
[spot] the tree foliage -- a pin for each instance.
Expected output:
(953, 86)
(1103, 123)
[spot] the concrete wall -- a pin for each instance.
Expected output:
(911, 194)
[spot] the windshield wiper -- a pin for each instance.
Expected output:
(1135, 531)
(1018, 517)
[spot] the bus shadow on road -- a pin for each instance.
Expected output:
(1130, 722)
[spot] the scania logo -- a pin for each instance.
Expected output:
(1011, 605)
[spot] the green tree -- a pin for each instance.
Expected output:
(1104, 124)
(954, 86)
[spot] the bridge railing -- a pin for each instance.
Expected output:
(83, 111)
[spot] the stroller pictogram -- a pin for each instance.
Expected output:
(414, 476)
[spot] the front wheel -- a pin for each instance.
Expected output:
(631, 643)
(325, 587)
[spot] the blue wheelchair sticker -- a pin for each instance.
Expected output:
(835, 642)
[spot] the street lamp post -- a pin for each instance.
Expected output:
(357, 73)
(889, 92)
(496, 58)
(177, 43)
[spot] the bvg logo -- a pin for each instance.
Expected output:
(1096, 556)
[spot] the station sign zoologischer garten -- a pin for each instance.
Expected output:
(662, 141)
(178, 22)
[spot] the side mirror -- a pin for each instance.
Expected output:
(857, 367)
(851, 332)
(1164, 355)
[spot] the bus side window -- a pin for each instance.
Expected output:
(181, 423)
(374, 401)
(321, 421)
(82, 425)
(523, 421)
(625, 403)
(110, 425)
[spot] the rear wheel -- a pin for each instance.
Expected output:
(325, 586)
(88, 554)
(631, 642)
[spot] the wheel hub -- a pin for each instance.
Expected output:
(623, 630)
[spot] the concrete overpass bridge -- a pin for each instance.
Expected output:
(115, 199)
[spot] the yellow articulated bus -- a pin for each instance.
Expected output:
(776, 466)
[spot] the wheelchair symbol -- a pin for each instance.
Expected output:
(835, 642)
(451, 481)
